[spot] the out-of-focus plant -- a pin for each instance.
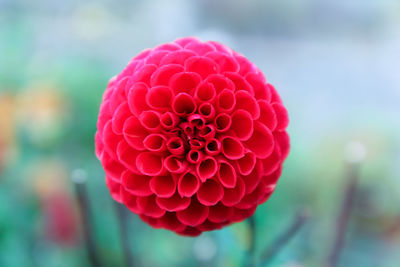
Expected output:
(42, 113)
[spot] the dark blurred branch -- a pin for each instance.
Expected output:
(79, 180)
(280, 242)
(344, 215)
(252, 246)
(123, 228)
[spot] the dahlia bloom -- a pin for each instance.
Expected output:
(191, 136)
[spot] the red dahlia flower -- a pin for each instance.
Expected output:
(191, 136)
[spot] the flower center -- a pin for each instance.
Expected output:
(193, 132)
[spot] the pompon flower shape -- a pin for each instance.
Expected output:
(191, 136)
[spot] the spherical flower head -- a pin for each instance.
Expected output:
(191, 136)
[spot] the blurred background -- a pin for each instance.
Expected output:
(335, 63)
